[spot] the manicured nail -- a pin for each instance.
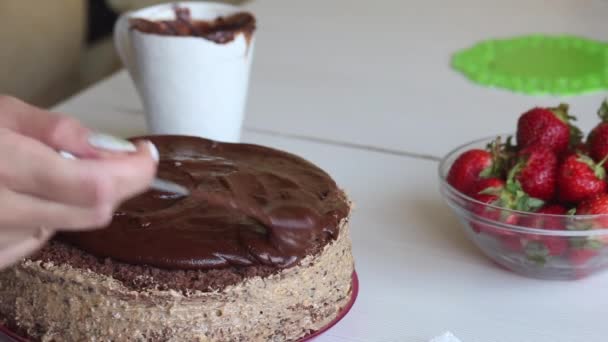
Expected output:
(153, 151)
(111, 143)
(168, 186)
(66, 155)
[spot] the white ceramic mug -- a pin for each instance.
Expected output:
(189, 85)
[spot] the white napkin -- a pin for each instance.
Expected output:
(445, 337)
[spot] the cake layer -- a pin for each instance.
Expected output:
(249, 206)
(56, 301)
(142, 277)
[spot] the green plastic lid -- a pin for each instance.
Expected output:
(537, 64)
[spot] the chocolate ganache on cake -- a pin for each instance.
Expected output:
(259, 251)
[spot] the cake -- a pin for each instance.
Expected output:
(172, 268)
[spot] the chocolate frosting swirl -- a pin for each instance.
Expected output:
(250, 205)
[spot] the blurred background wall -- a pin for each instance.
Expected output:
(51, 49)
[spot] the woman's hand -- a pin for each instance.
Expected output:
(41, 192)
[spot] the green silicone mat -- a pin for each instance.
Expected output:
(537, 64)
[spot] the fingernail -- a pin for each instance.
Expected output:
(66, 155)
(153, 151)
(111, 143)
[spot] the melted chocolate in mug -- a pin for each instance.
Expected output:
(222, 30)
(249, 205)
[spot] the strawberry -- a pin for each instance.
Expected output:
(579, 257)
(555, 245)
(552, 209)
(595, 205)
(498, 194)
(482, 210)
(477, 164)
(549, 127)
(495, 192)
(543, 245)
(512, 243)
(597, 141)
(544, 221)
(486, 190)
(488, 186)
(579, 178)
(536, 171)
(467, 168)
(580, 148)
(492, 214)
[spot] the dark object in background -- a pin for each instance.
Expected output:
(101, 20)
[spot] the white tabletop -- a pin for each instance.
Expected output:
(419, 275)
(377, 74)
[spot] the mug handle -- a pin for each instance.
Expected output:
(122, 43)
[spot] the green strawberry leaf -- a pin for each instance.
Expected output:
(515, 170)
(491, 191)
(512, 187)
(579, 226)
(580, 242)
(603, 111)
(534, 203)
(577, 242)
(561, 111)
(576, 135)
(537, 252)
(514, 197)
(501, 157)
(509, 146)
(488, 172)
(598, 169)
(594, 244)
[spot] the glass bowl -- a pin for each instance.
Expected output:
(543, 246)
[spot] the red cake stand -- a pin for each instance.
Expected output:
(355, 291)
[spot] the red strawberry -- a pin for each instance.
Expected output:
(488, 185)
(579, 257)
(509, 196)
(552, 209)
(595, 205)
(539, 245)
(549, 127)
(486, 191)
(481, 210)
(555, 244)
(512, 243)
(493, 214)
(505, 198)
(579, 178)
(581, 148)
(536, 172)
(474, 165)
(467, 168)
(546, 222)
(597, 140)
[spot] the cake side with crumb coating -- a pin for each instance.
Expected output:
(59, 302)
